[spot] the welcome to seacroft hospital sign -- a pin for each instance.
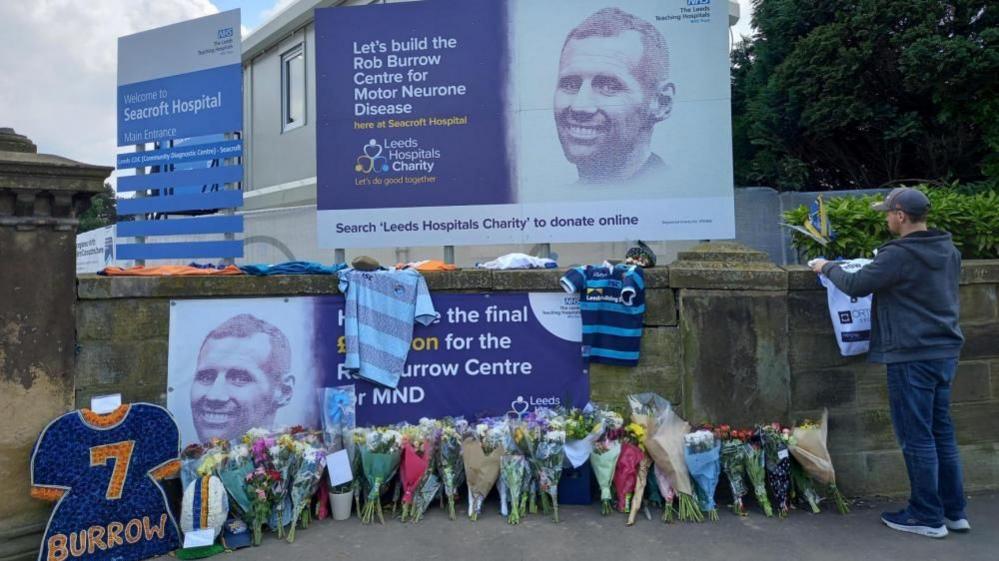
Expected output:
(180, 93)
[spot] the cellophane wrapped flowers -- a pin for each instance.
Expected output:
(450, 464)
(481, 452)
(778, 466)
(380, 456)
(702, 455)
(809, 445)
(733, 462)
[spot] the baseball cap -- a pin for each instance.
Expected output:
(908, 200)
(365, 263)
(235, 534)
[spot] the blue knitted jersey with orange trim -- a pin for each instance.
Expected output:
(105, 468)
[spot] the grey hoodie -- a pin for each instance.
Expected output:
(916, 308)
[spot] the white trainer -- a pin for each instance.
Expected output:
(960, 525)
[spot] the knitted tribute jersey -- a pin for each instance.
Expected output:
(104, 471)
(612, 305)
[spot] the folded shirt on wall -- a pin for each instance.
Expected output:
(169, 271)
(518, 261)
(292, 268)
(427, 265)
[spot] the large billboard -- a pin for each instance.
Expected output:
(235, 364)
(452, 122)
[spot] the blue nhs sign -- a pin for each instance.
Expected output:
(698, 2)
(225, 33)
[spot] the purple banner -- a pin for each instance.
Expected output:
(488, 354)
(401, 113)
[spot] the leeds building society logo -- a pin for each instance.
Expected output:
(372, 161)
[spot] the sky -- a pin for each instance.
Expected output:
(59, 60)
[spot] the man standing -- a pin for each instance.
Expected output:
(915, 332)
(612, 89)
(243, 377)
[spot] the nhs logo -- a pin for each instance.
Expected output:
(227, 32)
(698, 2)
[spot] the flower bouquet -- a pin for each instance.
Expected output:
(213, 457)
(450, 465)
(606, 451)
(778, 466)
(665, 445)
(338, 416)
(514, 472)
(417, 452)
(380, 456)
(285, 461)
(702, 455)
(260, 484)
(733, 462)
(667, 491)
(637, 433)
(515, 469)
(626, 471)
(233, 474)
(756, 472)
(429, 485)
(305, 483)
(481, 451)
(357, 441)
(582, 428)
(548, 458)
(810, 447)
(190, 458)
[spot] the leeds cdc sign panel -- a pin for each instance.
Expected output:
(452, 122)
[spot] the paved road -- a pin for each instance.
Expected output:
(583, 535)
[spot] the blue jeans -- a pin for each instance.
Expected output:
(919, 396)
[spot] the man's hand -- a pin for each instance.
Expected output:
(817, 264)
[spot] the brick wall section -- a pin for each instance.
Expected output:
(728, 337)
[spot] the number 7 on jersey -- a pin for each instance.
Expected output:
(121, 452)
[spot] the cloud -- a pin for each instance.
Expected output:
(278, 7)
(59, 65)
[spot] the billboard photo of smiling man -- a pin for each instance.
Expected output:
(624, 103)
(613, 89)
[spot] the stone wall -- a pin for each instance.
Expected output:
(41, 196)
(728, 335)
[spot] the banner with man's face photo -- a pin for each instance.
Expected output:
(241, 363)
(233, 367)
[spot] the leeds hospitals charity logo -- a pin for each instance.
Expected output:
(372, 161)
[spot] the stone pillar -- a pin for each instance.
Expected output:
(40, 198)
(733, 322)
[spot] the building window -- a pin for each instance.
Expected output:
(293, 88)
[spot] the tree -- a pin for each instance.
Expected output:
(846, 94)
(102, 211)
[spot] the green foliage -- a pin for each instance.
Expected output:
(841, 94)
(972, 219)
(102, 211)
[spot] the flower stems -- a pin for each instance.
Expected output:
(841, 505)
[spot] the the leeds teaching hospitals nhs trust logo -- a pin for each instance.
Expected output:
(372, 161)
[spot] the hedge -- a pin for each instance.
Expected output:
(972, 219)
